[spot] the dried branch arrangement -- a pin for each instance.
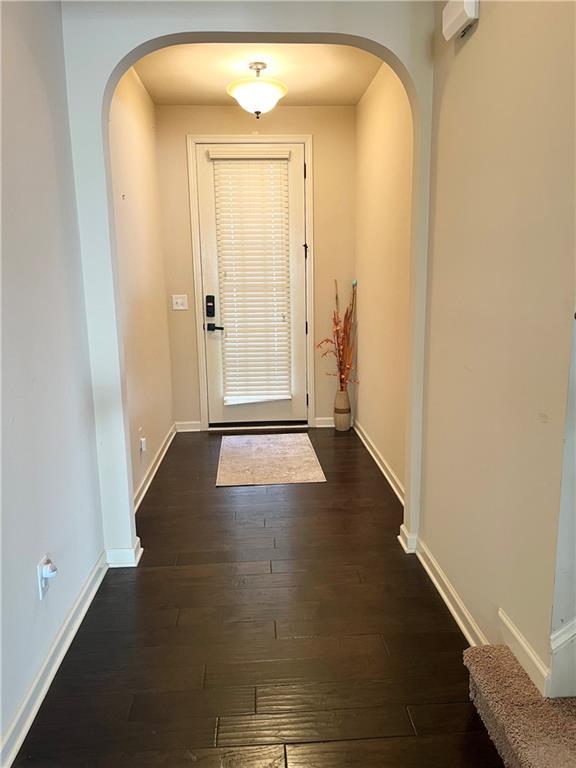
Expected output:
(343, 342)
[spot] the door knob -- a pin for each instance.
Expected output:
(214, 327)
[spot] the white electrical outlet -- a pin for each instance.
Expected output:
(45, 571)
(179, 301)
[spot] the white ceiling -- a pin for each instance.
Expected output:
(314, 74)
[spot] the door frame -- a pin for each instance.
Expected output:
(191, 142)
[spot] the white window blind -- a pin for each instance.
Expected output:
(252, 236)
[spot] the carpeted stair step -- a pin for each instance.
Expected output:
(528, 730)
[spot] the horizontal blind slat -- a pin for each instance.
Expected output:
(252, 242)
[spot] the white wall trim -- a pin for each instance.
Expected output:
(453, 601)
(563, 661)
(198, 287)
(125, 558)
(562, 642)
(408, 541)
(153, 468)
(538, 672)
(188, 426)
(324, 421)
(383, 465)
(16, 732)
(561, 637)
(310, 293)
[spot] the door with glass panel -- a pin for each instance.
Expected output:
(252, 233)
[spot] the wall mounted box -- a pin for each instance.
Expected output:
(458, 16)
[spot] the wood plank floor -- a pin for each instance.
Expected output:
(267, 627)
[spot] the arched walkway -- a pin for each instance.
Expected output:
(94, 70)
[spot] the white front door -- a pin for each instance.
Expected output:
(252, 236)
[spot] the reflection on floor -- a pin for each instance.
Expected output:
(267, 627)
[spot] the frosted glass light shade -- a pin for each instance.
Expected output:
(257, 95)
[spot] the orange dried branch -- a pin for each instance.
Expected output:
(343, 342)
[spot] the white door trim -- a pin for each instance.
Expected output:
(191, 142)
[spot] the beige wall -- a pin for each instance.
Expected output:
(501, 293)
(142, 294)
(50, 494)
(383, 199)
(333, 130)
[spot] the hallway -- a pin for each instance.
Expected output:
(266, 627)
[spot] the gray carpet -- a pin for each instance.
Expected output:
(528, 730)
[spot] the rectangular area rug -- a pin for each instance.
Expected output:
(268, 460)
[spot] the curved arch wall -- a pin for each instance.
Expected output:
(101, 41)
(384, 152)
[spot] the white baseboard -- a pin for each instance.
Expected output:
(563, 636)
(16, 732)
(188, 426)
(153, 468)
(408, 541)
(324, 421)
(383, 465)
(125, 558)
(562, 681)
(538, 672)
(533, 665)
(453, 601)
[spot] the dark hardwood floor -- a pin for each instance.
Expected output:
(267, 627)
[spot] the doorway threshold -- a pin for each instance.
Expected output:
(255, 425)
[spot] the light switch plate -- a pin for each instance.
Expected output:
(179, 301)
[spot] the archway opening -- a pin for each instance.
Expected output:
(363, 203)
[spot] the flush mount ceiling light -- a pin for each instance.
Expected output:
(257, 95)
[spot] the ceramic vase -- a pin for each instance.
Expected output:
(342, 412)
